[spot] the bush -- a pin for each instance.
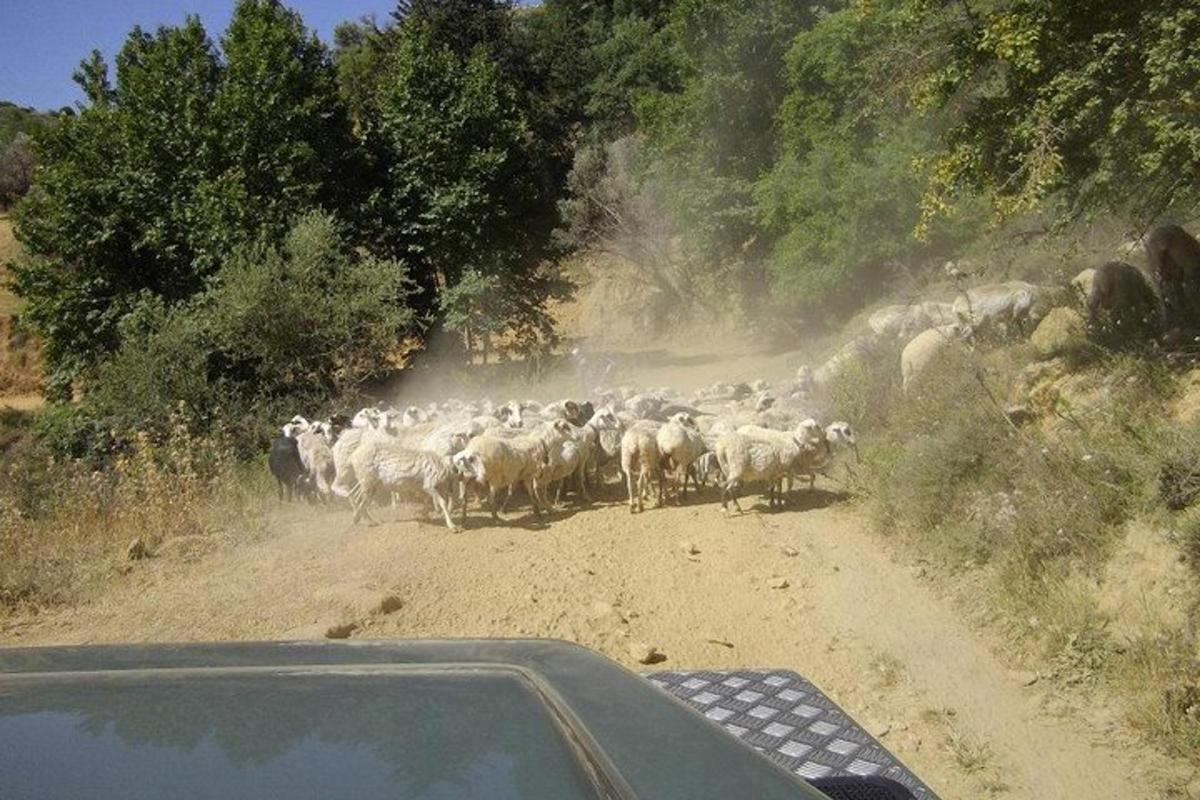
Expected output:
(16, 170)
(965, 484)
(278, 329)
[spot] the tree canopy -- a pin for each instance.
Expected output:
(740, 153)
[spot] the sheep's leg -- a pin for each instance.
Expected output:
(727, 493)
(492, 503)
(358, 501)
(583, 483)
(531, 488)
(440, 503)
(629, 486)
(463, 496)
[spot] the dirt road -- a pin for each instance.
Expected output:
(705, 590)
(699, 587)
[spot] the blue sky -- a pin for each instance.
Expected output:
(42, 41)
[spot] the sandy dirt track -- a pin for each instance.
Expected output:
(696, 585)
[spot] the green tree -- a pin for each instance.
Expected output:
(112, 214)
(842, 199)
(716, 136)
(358, 49)
(284, 134)
(1091, 104)
(164, 172)
(470, 185)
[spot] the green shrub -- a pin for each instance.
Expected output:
(969, 486)
(278, 329)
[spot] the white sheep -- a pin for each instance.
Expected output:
(924, 347)
(1002, 307)
(568, 458)
(680, 443)
(639, 454)
(376, 424)
(317, 458)
(452, 437)
(906, 321)
(386, 466)
(817, 460)
(589, 448)
(760, 454)
(497, 463)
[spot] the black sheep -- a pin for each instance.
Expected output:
(1122, 308)
(1175, 263)
(287, 468)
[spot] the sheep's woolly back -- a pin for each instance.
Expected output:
(501, 462)
(680, 443)
(745, 458)
(389, 464)
(639, 448)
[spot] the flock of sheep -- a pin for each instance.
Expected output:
(737, 434)
(1123, 304)
(658, 440)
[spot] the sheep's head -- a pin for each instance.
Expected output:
(365, 418)
(510, 415)
(840, 433)
(459, 441)
(684, 420)
(467, 465)
(562, 427)
(763, 401)
(389, 421)
(605, 419)
(296, 426)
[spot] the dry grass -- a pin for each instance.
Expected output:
(65, 528)
(970, 752)
(9, 250)
(1161, 675)
(1029, 516)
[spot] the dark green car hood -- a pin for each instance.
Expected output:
(519, 720)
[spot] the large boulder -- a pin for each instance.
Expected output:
(1061, 331)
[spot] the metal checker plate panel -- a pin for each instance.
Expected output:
(791, 722)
